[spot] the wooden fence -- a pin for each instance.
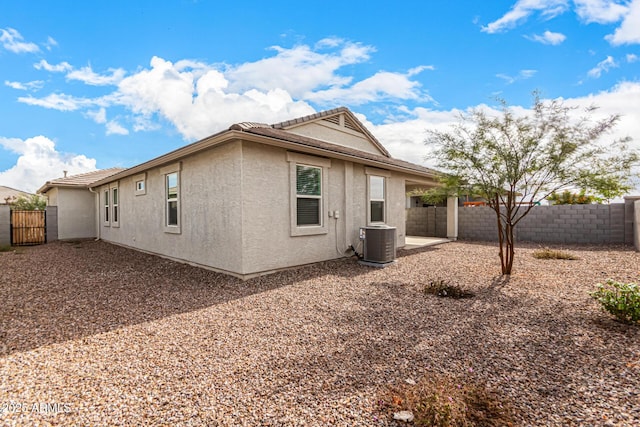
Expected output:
(28, 228)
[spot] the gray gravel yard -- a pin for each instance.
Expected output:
(95, 334)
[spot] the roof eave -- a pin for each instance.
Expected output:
(173, 156)
(246, 136)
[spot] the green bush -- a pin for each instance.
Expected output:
(620, 299)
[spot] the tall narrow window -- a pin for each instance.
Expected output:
(308, 195)
(106, 207)
(308, 188)
(114, 206)
(172, 199)
(376, 198)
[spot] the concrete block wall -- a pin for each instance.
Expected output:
(431, 221)
(589, 224)
(553, 224)
(52, 223)
(636, 224)
(477, 223)
(5, 225)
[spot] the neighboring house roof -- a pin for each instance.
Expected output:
(278, 135)
(82, 180)
(9, 194)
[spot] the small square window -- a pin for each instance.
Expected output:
(140, 184)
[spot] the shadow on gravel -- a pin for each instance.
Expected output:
(68, 290)
(541, 360)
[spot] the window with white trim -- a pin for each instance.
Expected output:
(308, 196)
(173, 200)
(106, 207)
(140, 184)
(377, 199)
(377, 184)
(115, 212)
(308, 188)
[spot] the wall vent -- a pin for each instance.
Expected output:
(349, 124)
(333, 119)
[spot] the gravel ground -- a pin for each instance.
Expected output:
(95, 334)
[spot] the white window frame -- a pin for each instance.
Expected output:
(140, 179)
(166, 171)
(106, 207)
(297, 159)
(385, 175)
(115, 205)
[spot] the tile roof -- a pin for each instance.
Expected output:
(277, 134)
(80, 180)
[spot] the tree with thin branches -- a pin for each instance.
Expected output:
(513, 160)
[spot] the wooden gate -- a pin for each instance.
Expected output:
(28, 228)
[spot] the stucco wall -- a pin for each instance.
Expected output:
(266, 229)
(236, 211)
(76, 212)
(330, 132)
(210, 211)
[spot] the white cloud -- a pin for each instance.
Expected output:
(629, 30)
(298, 70)
(33, 85)
(60, 102)
(548, 37)
(114, 128)
(38, 162)
(522, 75)
(405, 138)
(381, 86)
(51, 42)
(631, 58)
(168, 92)
(59, 68)
(522, 10)
(600, 11)
(200, 99)
(98, 116)
(603, 66)
(12, 40)
(88, 76)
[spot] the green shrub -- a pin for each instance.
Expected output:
(548, 253)
(443, 288)
(442, 401)
(620, 299)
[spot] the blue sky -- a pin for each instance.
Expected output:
(97, 84)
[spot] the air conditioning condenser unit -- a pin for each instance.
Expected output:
(379, 244)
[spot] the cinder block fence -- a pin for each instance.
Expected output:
(595, 224)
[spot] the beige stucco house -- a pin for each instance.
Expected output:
(9, 195)
(252, 199)
(76, 206)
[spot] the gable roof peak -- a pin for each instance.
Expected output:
(350, 122)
